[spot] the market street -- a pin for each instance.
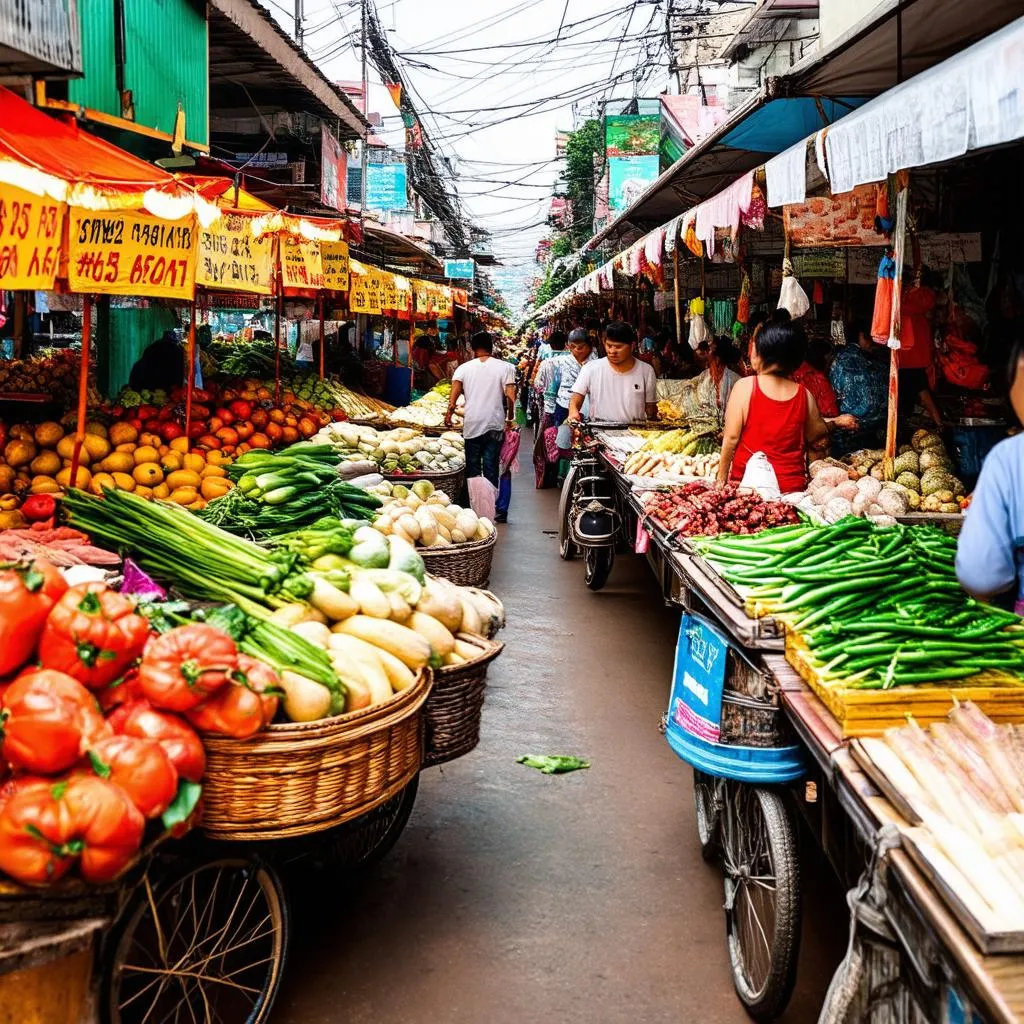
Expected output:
(516, 896)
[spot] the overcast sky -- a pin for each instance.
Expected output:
(463, 60)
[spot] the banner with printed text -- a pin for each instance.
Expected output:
(445, 303)
(231, 257)
(301, 266)
(375, 289)
(124, 253)
(422, 292)
(335, 262)
(364, 293)
(389, 291)
(30, 235)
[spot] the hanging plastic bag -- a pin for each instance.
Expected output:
(483, 496)
(508, 461)
(760, 476)
(792, 297)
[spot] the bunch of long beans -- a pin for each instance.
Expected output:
(209, 564)
(876, 607)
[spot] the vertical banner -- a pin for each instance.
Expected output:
(445, 302)
(333, 171)
(422, 292)
(334, 259)
(389, 292)
(30, 235)
(301, 266)
(131, 254)
(231, 257)
(375, 289)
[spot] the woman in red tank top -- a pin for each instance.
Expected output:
(771, 413)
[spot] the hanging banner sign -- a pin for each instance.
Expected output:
(375, 289)
(389, 291)
(231, 257)
(422, 292)
(335, 262)
(845, 219)
(460, 297)
(131, 254)
(445, 305)
(301, 266)
(364, 293)
(30, 234)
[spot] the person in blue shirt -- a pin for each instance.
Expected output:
(990, 552)
(860, 379)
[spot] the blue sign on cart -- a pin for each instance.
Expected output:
(696, 702)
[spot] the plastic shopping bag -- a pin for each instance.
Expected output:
(483, 496)
(508, 461)
(760, 475)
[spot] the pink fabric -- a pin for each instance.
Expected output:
(724, 210)
(654, 246)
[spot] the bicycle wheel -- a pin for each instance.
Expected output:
(206, 945)
(598, 563)
(708, 808)
(762, 898)
(566, 548)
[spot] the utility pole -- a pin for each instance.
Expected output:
(298, 21)
(366, 109)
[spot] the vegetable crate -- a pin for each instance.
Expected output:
(451, 716)
(297, 778)
(871, 712)
(451, 483)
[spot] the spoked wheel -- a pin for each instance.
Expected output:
(598, 563)
(205, 946)
(708, 807)
(566, 548)
(367, 840)
(762, 898)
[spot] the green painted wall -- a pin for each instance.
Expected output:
(166, 63)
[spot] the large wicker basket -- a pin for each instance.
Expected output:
(451, 716)
(451, 483)
(297, 778)
(469, 565)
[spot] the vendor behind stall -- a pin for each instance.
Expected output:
(990, 552)
(860, 381)
(621, 389)
(770, 412)
(161, 365)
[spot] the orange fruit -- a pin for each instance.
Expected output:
(179, 444)
(122, 433)
(101, 480)
(124, 481)
(82, 478)
(214, 487)
(161, 491)
(144, 492)
(184, 495)
(172, 461)
(146, 453)
(149, 474)
(194, 461)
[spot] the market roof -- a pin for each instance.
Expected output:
(860, 64)
(396, 251)
(255, 63)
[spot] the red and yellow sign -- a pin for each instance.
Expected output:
(335, 260)
(301, 266)
(389, 291)
(131, 254)
(422, 292)
(445, 305)
(30, 234)
(364, 295)
(231, 257)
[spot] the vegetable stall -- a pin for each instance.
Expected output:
(830, 669)
(217, 664)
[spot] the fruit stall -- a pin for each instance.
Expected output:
(223, 651)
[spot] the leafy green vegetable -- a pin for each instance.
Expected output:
(553, 764)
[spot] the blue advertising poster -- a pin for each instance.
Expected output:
(628, 179)
(696, 702)
(386, 187)
(459, 270)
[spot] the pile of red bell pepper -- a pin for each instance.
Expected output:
(101, 720)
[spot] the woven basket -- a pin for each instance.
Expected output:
(451, 483)
(451, 716)
(469, 565)
(296, 778)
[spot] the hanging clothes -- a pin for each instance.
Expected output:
(882, 314)
(916, 347)
(724, 210)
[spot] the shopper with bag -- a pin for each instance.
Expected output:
(770, 413)
(489, 388)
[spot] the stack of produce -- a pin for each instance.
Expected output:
(923, 468)
(873, 608)
(699, 509)
(37, 461)
(53, 373)
(102, 723)
(668, 411)
(345, 577)
(427, 517)
(60, 545)
(395, 452)
(963, 779)
(836, 492)
(428, 411)
(330, 394)
(675, 453)
(278, 491)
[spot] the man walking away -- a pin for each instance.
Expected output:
(489, 387)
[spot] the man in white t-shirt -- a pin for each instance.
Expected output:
(621, 388)
(489, 386)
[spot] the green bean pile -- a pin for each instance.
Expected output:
(876, 607)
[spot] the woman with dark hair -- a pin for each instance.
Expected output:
(771, 413)
(990, 550)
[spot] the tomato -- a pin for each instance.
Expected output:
(169, 431)
(35, 832)
(185, 665)
(240, 408)
(50, 720)
(196, 429)
(93, 634)
(27, 595)
(145, 412)
(166, 413)
(202, 395)
(243, 707)
(180, 741)
(106, 823)
(140, 767)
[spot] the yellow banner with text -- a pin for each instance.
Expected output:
(231, 257)
(301, 266)
(335, 260)
(30, 236)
